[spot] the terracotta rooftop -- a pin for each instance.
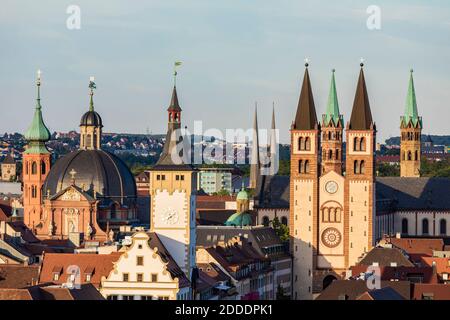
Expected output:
(18, 276)
(417, 245)
(425, 274)
(58, 263)
(86, 292)
(423, 291)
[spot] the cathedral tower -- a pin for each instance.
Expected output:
(36, 164)
(91, 124)
(359, 176)
(173, 183)
(411, 131)
(305, 141)
(255, 164)
(332, 128)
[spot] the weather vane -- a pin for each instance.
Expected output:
(175, 73)
(362, 62)
(306, 62)
(92, 84)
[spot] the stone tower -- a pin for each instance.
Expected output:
(332, 128)
(359, 176)
(410, 138)
(36, 165)
(173, 184)
(305, 142)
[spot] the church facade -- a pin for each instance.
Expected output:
(86, 195)
(331, 214)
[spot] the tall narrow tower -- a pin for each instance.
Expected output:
(254, 159)
(305, 141)
(360, 177)
(173, 183)
(332, 128)
(36, 165)
(91, 124)
(411, 131)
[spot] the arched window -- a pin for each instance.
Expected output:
(26, 167)
(34, 168)
(265, 221)
(329, 135)
(362, 144)
(443, 227)
(355, 144)
(362, 167)
(405, 226)
(416, 155)
(43, 168)
(337, 154)
(307, 166)
(33, 191)
(300, 166)
(325, 215)
(284, 220)
(337, 214)
(356, 167)
(307, 143)
(330, 154)
(403, 155)
(425, 230)
(301, 143)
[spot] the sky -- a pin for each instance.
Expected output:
(233, 52)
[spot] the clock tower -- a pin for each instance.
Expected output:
(172, 192)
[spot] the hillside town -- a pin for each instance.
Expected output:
(76, 223)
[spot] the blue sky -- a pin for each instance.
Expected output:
(234, 53)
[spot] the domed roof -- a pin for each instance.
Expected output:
(242, 195)
(239, 219)
(91, 118)
(96, 171)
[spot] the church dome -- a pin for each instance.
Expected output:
(91, 118)
(239, 219)
(98, 172)
(242, 195)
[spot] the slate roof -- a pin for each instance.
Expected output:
(274, 192)
(414, 193)
(352, 289)
(361, 118)
(386, 293)
(306, 118)
(171, 266)
(261, 238)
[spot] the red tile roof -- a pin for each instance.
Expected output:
(434, 291)
(417, 245)
(60, 262)
(442, 264)
(15, 276)
(401, 273)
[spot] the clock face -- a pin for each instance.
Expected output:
(170, 216)
(331, 237)
(331, 187)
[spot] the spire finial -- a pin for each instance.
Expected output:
(412, 70)
(92, 86)
(175, 73)
(306, 62)
(361, 62)
(38, 84)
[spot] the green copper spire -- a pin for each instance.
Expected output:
(37, 134)
(332, 112)
(411, 113)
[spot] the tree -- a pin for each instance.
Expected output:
(281, 230)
